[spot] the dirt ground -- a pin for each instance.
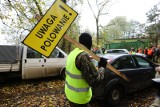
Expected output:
(49, 92)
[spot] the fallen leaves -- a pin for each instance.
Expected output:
(49, 92)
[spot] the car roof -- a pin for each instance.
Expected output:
(116, 50)
(112, 56)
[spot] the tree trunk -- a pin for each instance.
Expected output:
(69, 47)
(63, 45)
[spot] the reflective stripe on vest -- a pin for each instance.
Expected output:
(74, 75)
(77, 89)
(74, 88)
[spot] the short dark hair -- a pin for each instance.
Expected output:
(86, 40)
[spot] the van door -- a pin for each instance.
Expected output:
(32, 64)
(55, 62)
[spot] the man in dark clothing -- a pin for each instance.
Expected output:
(156, 102)
(81, 74)
(145, 51)
(156, 84)
(157, 53)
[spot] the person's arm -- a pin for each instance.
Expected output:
(158, 69)
(88, 69)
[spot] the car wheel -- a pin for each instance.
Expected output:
(114, 95)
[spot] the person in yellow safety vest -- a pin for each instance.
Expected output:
(132, 51)
(81, 74)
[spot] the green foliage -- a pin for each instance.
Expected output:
(153, 13)
(117, 27)
(154, 23)
(18, 17)
(43, 3)
(120, 27)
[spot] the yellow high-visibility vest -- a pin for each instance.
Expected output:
(77, 89)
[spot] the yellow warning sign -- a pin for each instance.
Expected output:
(51, 28)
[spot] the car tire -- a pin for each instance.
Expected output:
(114, 95)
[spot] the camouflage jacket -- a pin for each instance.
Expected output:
(89, 71)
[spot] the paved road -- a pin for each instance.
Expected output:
(49, 92)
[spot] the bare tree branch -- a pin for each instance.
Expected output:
(39, 8)
(100, 8)
(91, 9)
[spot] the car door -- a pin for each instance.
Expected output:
(55, 62)
(32, 64)
(127, 66)
(147, 70)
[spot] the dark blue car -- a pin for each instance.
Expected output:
(138, 69)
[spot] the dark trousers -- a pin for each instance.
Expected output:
(150, 57)
(78, 105)
(157, 86)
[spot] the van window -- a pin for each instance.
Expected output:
(56, 54)
(33, 54)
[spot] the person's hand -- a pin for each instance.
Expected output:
(102, 63)
(158, 69)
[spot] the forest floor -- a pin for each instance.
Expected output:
(49, 92)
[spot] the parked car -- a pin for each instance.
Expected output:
(124, 51)
(20, 60)
(139, 70)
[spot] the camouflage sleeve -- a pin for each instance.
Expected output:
(88, 69)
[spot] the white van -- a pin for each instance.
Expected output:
(27, 63)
